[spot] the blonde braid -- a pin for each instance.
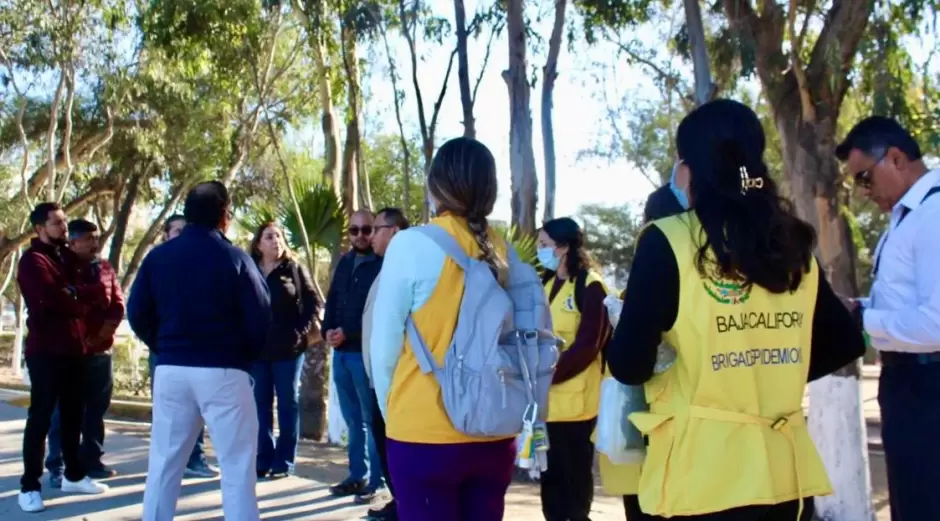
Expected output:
(480, 230)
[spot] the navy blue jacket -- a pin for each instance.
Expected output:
(199, 301)
(346, 300)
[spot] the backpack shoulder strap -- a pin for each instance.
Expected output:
(446, 242)
(579, 284)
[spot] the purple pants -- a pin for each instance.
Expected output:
(451, 482)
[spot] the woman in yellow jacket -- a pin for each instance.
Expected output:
(439, 473)
(576, 294)
(733, 286)
(623, 480)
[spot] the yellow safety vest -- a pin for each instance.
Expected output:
(578, 398)
(726, 426)
(415, 408)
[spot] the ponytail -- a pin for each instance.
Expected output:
(480, 230)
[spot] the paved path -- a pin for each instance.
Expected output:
(292, 498)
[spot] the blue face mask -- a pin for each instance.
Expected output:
(547, 258)
(676, 191)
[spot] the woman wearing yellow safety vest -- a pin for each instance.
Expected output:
(623, 479)
(734, 287)
(579, 317)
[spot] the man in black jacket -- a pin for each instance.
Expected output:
(201, 304)
(342, 326)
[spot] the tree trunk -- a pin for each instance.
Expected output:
(152, 233)
(331, 172)
(353, 132)
(521, 155)
(836, 420)
(550, 74)
(314, 384)
(121, 221)
(703, 78)
(463, 70)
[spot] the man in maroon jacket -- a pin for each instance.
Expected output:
(55, 349)
(101, 322)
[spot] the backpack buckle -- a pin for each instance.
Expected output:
(779, 424)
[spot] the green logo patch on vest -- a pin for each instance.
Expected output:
(726, 291)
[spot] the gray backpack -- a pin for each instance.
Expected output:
(498, 369)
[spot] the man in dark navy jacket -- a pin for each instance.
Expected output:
(201, 304)
(342, 326)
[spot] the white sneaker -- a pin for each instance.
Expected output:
(31, 501)
(85, 485)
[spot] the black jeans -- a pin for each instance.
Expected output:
(780, 512)
(53, 380)
(909, 396)
(378, 434)
(99, 385)
(568, 485)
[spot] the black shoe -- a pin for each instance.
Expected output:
(388, 512)
(348, 488)
(262, 474)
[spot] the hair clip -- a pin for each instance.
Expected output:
(747, 182)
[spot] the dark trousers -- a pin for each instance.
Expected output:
(53, 380)
(568, 485)
(99, 385)
(909, 396)
(198, 456)
(631, 507)
(451, 481)
(780, 512)
(280, 378)
(381, 442)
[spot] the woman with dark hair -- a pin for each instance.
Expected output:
(440, 474)
(576, 294)
(734, 287)
(294, 309)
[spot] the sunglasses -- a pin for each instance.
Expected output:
(863, 179)
(355, 230)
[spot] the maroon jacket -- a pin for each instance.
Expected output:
(47, 276)
(105, 304)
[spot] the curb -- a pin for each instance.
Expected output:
(119, 409)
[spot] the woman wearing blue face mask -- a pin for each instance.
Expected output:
(579, 317)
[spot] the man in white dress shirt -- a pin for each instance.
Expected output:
(902, 314)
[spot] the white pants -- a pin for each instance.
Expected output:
(183, 398)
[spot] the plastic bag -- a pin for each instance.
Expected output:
(617, 438)
(665, 354)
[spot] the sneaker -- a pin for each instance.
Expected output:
(31, 501)
(348, 488)
(201, 470)
(367, 496)
(388, 512)
(55, 479)
(279, 474)
(101, 472)
(85, 485)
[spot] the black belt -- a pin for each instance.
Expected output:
(893, 358)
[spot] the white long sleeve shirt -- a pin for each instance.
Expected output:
(902, 313)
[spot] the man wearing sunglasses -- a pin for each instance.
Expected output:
(342, 326)
(902, 314)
